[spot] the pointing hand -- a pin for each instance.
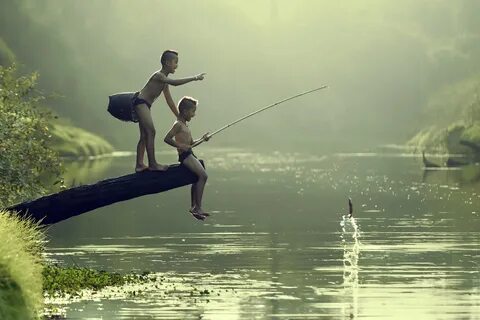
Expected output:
(200, 76)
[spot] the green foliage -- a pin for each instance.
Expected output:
(432, 138)
(62, 281)
(454, 117)
(25, 155)
(464, 138)
(457, 138)
(453, 137)
(70, 141)
(472, 134)
(20, 268)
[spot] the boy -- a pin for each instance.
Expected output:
(180, 137)
(142, 103)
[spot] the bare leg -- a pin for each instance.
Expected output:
(146, 124)
(194, 201)
(140, 165)
(194, 165)
(192, 196)
(194, 206)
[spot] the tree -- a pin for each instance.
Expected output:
(26, 159)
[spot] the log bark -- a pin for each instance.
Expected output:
(60, 206)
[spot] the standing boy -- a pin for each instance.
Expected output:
(180, 137)
(142, 103)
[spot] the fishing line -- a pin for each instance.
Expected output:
(255, 112)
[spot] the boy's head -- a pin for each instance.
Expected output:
(187, 107)
(169, 60)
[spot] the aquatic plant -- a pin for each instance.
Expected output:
(20, 268)
(61, 281)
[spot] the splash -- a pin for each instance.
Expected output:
(351, 252)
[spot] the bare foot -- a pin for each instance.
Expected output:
(198, 211)
(157, 167)
(140, 168)
(198, 216)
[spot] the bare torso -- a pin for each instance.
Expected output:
(183, 136)
(152, 89)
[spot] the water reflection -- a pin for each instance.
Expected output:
(86, 170)
(274, 249)
(464, 175)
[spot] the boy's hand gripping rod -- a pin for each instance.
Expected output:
(253, 113)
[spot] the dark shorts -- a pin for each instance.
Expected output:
(184, 155)
(136, 101)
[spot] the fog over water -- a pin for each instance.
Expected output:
(381, 59)
(278, 243)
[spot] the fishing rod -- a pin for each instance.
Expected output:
(255, 112)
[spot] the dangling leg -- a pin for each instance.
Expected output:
(194, 200)
(195, 166)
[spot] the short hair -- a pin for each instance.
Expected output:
(168, 55)
(187, 103)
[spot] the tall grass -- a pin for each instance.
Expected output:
(20, 268)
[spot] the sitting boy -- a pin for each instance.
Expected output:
(180, 137)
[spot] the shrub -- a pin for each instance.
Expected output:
(25, 157)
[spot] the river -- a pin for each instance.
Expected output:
(279, 245)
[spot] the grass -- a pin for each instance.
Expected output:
(20, 268)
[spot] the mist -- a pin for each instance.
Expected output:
(356, 201)
(381, 61)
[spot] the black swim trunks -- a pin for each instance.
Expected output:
(184, 155)
(136, 101)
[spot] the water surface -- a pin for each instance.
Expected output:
(278, 244)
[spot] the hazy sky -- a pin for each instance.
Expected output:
(381, 59)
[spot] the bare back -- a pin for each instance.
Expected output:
(153, 88)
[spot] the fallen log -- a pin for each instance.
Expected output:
(68, 203)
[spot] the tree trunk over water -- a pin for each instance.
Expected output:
(68, 203)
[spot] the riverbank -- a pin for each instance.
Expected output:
(73, 142)
(31, 150)
(460, 140)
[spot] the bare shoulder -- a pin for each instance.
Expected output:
(178, 125)
(158, 76)
(176, 128)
